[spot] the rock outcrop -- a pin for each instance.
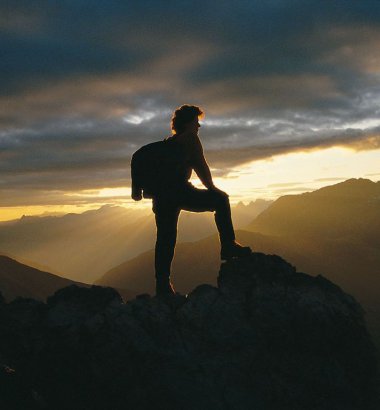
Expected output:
(267, 337)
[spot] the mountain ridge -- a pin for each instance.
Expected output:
(338, 210)
(20, 280)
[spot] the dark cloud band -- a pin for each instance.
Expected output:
(84, 84)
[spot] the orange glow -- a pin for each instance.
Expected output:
(292, 173)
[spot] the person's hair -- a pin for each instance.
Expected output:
(184, 115)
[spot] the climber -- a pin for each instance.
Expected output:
(184, 153)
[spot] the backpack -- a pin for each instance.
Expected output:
(152, 167)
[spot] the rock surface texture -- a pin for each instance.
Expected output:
(266, 338)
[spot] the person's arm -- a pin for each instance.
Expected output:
(203, 171)
(200, 165)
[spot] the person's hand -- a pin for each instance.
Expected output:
(137, 197)
(136, 194)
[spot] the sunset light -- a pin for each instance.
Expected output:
(293, 173)
(190, 204)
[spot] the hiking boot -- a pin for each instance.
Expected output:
(234, 250)
(164, 287)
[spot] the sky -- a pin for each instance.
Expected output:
(291, 92)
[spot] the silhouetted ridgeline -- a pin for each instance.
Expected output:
(18, 279)
(349, 209)
(266, 338)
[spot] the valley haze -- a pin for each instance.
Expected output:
(333, 231)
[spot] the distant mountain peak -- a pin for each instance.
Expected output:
(358, 182)
(354, 187)
(344, 209)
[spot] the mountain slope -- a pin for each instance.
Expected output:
(76, 245)
(347, 209)
(19, 280)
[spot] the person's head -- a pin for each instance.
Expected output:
(186, 117)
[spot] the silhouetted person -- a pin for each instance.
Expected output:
(179, 193)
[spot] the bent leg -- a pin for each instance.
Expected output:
(200, 200)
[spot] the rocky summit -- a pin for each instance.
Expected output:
(268, 337)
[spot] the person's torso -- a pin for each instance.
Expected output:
(181, 158)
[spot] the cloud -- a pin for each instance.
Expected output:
(373, 174)
(38, 197)
(354, 139)
(83, 86)
(284, 184)
(299, 189)
(329, 179)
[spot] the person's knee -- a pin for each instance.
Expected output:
(221, 199)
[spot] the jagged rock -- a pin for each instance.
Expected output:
(267, 338)
(74, 305)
